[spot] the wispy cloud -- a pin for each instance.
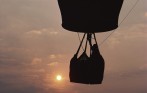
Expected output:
(36, 61)
(33, 49)
(145, 14)
(53, 64)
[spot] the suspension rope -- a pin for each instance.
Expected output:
(121, 22)
(80, 40)
(118, 24)
(129, 12)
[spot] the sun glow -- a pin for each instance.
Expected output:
(59, 77)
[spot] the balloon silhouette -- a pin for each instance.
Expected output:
(90, 16)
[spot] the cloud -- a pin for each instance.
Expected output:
(145, 14)
(36, 32)
(53, 64)
(41, 70)
(134, 32)
(23, 88)
(52, 56)
(36, 61)
(32, 45)
(144, 67)
(45, 31)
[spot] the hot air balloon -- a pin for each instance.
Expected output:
(89, 17)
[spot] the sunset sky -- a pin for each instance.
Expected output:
(34, 49)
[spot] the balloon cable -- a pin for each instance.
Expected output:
(121, 22)
(80, 41)
(118, 24)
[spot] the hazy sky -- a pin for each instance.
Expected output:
(34, 48)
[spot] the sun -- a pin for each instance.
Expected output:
(59, 77)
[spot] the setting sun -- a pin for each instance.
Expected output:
(59, 77)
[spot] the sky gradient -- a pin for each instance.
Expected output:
(34, 48)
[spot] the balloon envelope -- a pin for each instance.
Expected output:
(90, 15)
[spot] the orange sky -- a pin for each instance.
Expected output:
(34, 48)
